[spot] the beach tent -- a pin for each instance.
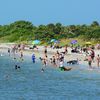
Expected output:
(36, 42)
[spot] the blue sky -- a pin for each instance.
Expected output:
(67, 12)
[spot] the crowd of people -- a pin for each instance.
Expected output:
(58, 58)
(16, 52)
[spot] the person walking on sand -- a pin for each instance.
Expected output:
(98, 60)
(89, 61)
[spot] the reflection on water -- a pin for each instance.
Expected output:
(29, 83)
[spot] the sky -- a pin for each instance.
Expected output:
(67, 12)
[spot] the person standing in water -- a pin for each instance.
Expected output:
(45, 50)
(21, 55)
(92, 55)
(98, 60)
(14, 52)
(44, 62)
(90, 61)
(9, 51)
(54, 61)
(61, 64)
(65, 51)
(33, 58)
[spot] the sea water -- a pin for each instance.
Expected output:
(29, 83)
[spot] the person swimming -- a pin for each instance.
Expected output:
(17, 67)
(42, 70)
(2, 55)
(62, 67)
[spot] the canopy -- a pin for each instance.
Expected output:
(36, 42)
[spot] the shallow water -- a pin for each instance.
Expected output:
(29, 83)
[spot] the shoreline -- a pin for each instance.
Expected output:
(39, 53)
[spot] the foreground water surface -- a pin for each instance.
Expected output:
(29, 83)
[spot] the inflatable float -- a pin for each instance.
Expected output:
(65, 68)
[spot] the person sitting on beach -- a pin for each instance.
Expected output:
(98, 60)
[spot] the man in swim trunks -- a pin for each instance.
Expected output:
(89, 61)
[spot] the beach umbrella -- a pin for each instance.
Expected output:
(53, 40)
(56, 41)
(88, 43)
(36, 42)
(73, 41)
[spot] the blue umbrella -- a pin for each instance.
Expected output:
(56, 41)
(36, 42)
(53, 40)
(73, 41)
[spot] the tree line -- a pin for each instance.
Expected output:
(26, 31)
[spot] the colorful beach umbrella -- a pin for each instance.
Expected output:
(88, 43)
(36, 42)
(56, 41)
(73, 41)
(53, 40)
